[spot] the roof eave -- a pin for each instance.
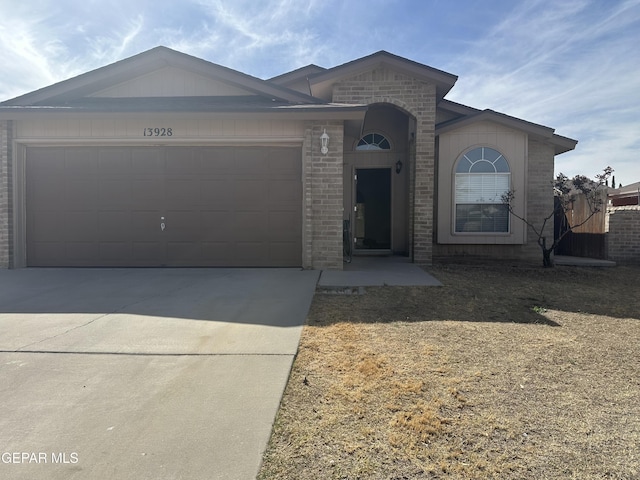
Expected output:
(148, 61)
(444, 81)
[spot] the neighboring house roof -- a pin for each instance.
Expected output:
(627, 195)
(631, 189)
(321, 82)
(561, 144)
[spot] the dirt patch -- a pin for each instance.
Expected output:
(504, 372)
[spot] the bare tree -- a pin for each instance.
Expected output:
(565, 191)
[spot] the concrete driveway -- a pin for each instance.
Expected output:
(144, 373)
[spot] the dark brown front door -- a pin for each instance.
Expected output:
(373, 209)
(164, 206)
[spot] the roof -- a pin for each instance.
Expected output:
(561, 144)
(146, 62)
(321, 82)
(628, 190)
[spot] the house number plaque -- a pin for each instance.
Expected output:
(158, 132)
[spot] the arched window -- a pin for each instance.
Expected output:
(373, 141)
(482, 177)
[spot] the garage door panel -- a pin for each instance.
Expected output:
(251, 252)
(183, 192)
(46, 194)
(284, 161)
(114, 161)
(183, 253)
(48, 254)
(81, 193)
(146, 224)
(78, 253)
(284, 252)
(116, 252)
(216, 161)
(182, 225)
(222, 206)
(254, 161)
(217, 253)
(215, 192)
(182, 161)
(250, 225)
(249, 192)
(114, 225)
(82, 226)
(47, 225)
(284, 192)
(114, 192)
(147, 192)
(152, 252)
(81, 162)
(281, 224)
(146, 161)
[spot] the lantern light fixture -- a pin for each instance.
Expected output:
(324, 140)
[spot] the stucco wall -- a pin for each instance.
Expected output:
(624, 234)
(510, 143)
(6, 193)
(538, 204)
(418, 99)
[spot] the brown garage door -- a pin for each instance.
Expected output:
(164, 206)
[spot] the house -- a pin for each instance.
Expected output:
(629, 195)
(164, 159)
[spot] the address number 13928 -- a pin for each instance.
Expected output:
(158, 132)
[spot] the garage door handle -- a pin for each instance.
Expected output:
(162, 225)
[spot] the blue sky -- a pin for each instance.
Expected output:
(573, 65)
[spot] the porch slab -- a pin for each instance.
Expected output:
(377, 272)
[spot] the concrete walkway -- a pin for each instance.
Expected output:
(377, 271)
(582, 261)
(144, 373)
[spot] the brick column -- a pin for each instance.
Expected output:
(539, 195)
(418, 99)
(6, 194)
(323, 192)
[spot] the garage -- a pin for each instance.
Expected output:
(156, 206)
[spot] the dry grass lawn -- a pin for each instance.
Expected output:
(505, 372)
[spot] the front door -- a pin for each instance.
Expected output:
(372, 222)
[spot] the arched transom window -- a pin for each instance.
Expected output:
(482, 177)
(373, 141)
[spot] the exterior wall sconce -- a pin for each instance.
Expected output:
(398, 166)
(324, 139)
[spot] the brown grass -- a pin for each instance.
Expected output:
(505, 372)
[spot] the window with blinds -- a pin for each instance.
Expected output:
(482, 177)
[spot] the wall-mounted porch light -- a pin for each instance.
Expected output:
(398, 166)
(324, 139)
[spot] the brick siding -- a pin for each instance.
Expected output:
(418, 99)
(539, 195)
(624, 234)
(6, 194)
(323, 197)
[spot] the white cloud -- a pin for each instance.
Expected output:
(569, 65)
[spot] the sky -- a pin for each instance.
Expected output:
(573, 65)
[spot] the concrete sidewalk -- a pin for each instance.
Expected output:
(144, 373)
(377, 271)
